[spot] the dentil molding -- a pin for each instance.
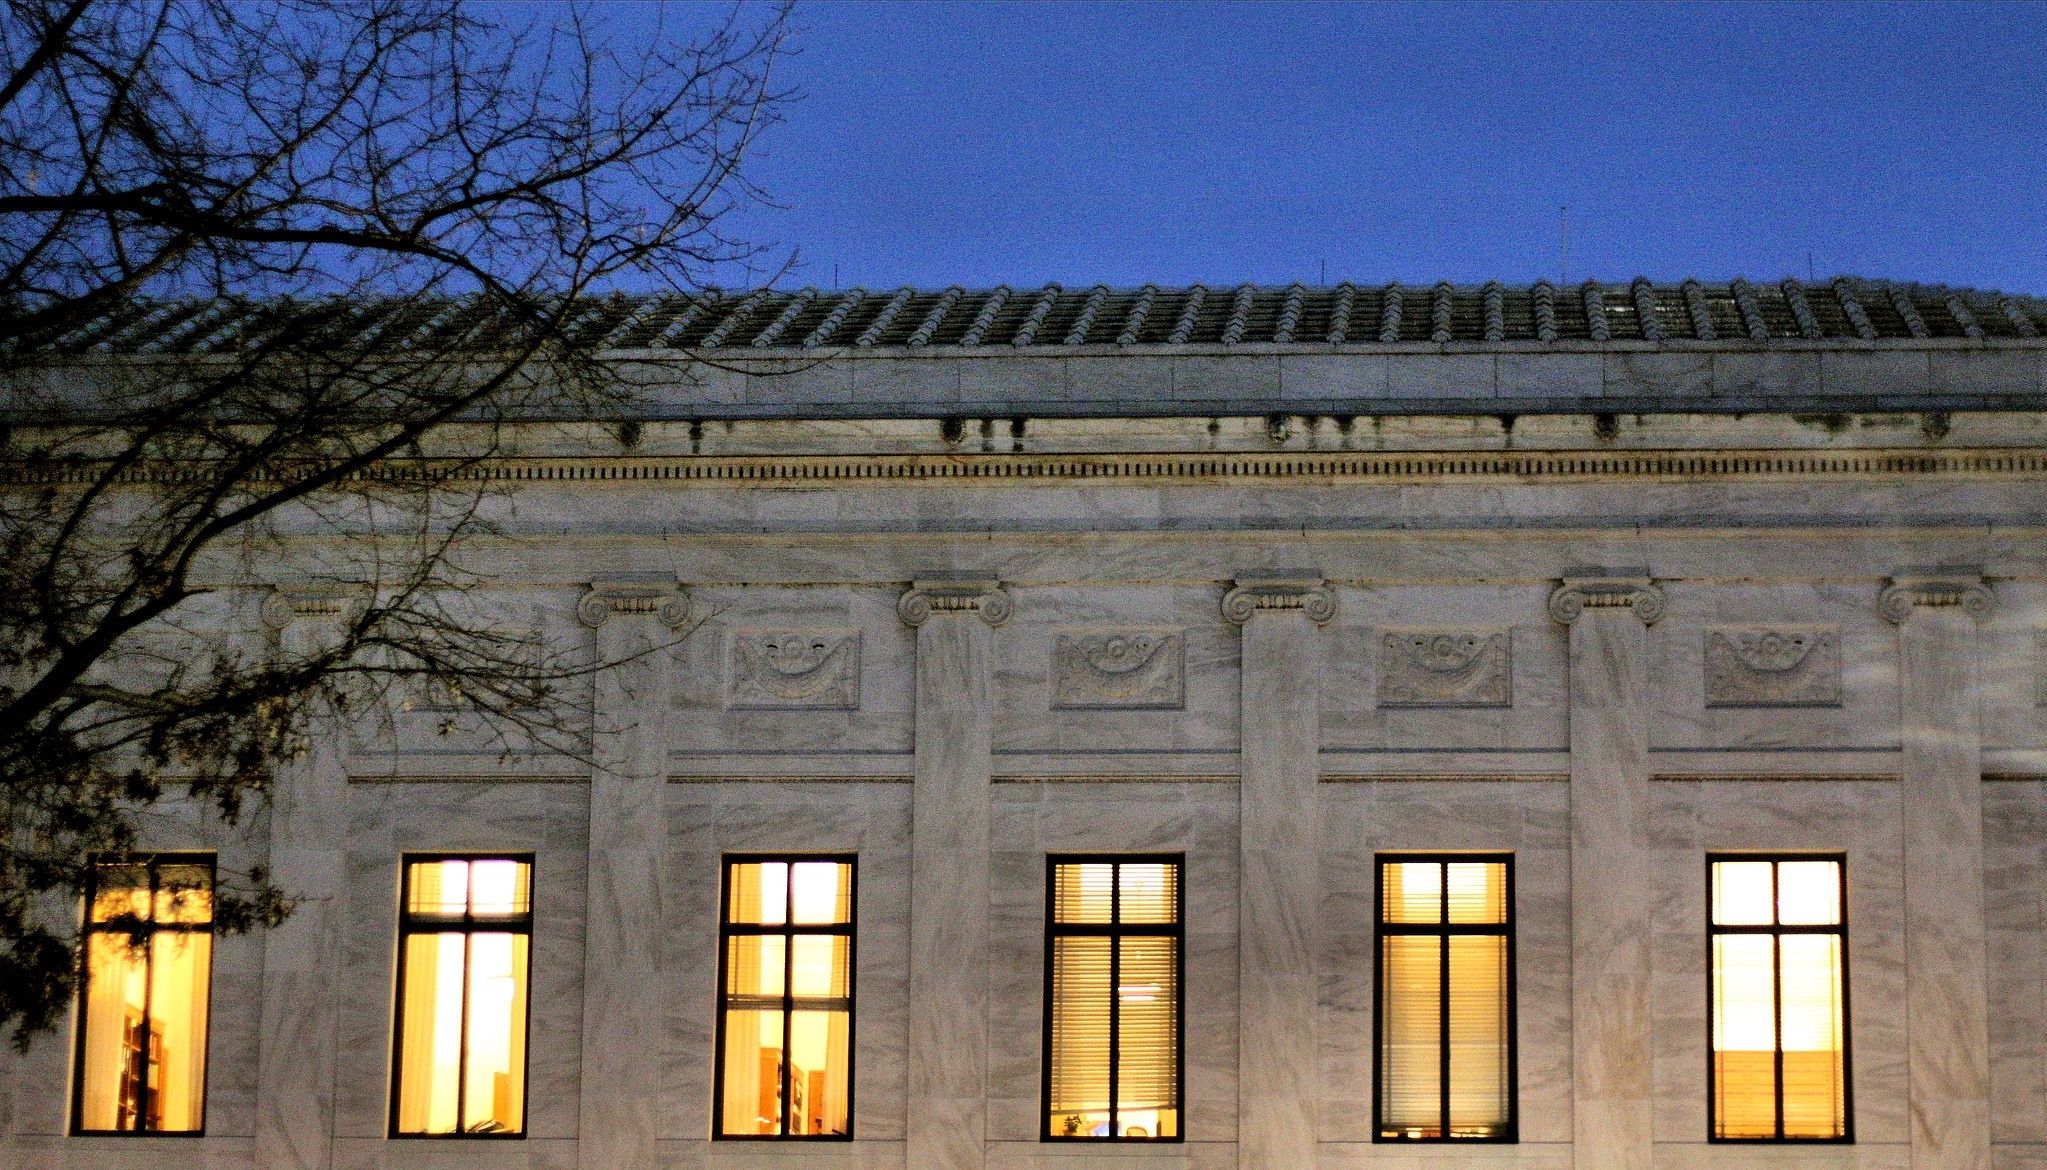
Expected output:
(955, 593)
(1595, 588)
(1936, 586)
(1281, 589)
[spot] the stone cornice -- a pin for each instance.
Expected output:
(1598, 588)
(662, 599)
(955, 593)
(1936, 586)
(1281, 589)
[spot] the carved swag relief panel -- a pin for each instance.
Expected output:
(1118, 669)
(1446, 668)
(1775, 666)
(781, 669)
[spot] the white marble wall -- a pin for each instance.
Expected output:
(1349, 738)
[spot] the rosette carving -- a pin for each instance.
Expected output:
(664, 601)
(1446, 668)
(1584, 589)
(1776, 666)
(1118, 668)
(1305, 591)
(977, 595)
(773, 669)
(1941, 585)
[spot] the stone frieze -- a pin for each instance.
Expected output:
(1773, 666)
(1120, 668)
(784, 669)
(1446, 668)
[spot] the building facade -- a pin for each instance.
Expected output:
(1269, 728)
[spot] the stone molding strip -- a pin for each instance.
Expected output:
(1376, 465)
(1936, 586)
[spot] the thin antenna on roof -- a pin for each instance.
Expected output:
(1324, 277)
(1809, 277)
(1563, 246)
(835, 276)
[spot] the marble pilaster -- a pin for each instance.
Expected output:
(1941, 810)
(623, 1008)
(955, 618)
(1611, 896)
(1277, 850)
(308, 823)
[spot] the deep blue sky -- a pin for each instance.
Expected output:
(983, 143)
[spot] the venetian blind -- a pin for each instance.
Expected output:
(1445, 1000)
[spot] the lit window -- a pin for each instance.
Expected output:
(148, 945)
(1445, 1042)
(465, 931)
(1112, 1008)
(785, 1015)
(1778, 943)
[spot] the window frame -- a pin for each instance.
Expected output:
(1115, 930)
(1714, 930)
(1444, 930)
(727, 930)
(468, 926)
(152, 859)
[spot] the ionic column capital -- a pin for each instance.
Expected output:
(1935, 586)
(972, 593)
(1585, 588)
(652, 595)
(1275, 589)
(286, 604)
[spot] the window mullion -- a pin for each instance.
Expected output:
(145, 1094)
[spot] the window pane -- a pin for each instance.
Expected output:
(1147, 1038)
(495, 1079)
(1809, 893)
(1815, 1073)
(1083, 892)
(500, 889)
(1478, 891)
(439, 889)
(1150, 892)
(823, 892)
(753, 1072)
(759, 894)
(120, 890)
(180, 965)
(819, 967)
(1480, 1084)
(184, 894)
(818, 1052)
(1744, 1036)
(1410, 1015)
(1413, 891)
(1079, 1060)
(1741, 893)
(430, 1040)
(116, 1065)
